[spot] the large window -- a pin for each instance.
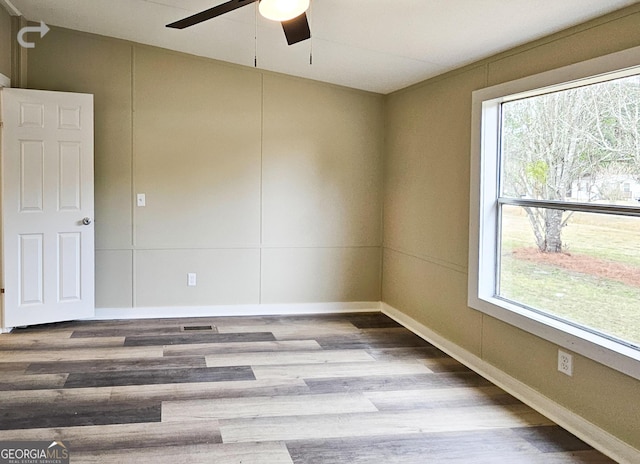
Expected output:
(555, 224)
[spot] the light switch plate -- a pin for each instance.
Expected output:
(141, 199)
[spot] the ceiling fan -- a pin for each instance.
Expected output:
(291, 13)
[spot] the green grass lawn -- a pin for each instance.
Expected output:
(601, 304)
(607, 305)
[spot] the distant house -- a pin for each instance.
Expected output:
(619, 187)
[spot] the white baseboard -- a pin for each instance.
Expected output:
(235, 310)
(593, 435)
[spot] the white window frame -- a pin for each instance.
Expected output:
(483, 220)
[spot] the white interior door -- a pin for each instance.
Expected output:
(47, 206)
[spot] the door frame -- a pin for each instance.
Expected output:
(5, 82)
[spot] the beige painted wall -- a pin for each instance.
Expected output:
(5, 42)
(426, 206)
(266, 186)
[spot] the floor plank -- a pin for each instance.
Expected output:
(240, 347)
(477, 447)
(31, 382)
(372, 321)
(373, 339)
(291, 331)
(181, 339)
(338, 370)
(396, 382)
(43, 332)
(106, 438)
(378, 423)
(158, 376)
(409, 400)
(35, 343)
(231, 408)
(445, 365)
(115, 365)
(245, 453)
(66, 415)
(160, 392)
(288, 357)
(416, 352)
(8, 368)
(125, 332)
(82, 354)
(551, 439)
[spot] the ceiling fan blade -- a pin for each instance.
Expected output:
(296, 29)
(210, 13)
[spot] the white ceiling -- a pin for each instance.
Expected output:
(375, 45)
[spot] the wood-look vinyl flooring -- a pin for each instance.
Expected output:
(349, 388)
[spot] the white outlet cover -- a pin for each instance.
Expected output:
(141, 199)
(191, 279)
(565, 363)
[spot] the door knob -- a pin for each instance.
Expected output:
(86, 221)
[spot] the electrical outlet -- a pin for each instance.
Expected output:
(565, 363)
(191, 279)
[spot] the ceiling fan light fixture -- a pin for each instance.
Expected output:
(282, 10)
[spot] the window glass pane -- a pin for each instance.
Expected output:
(594, 281)
(577, 145)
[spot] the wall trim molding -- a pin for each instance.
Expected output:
(10, 7)
(600, 439)
(151, 312)
(5, 82)
(430, 259)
